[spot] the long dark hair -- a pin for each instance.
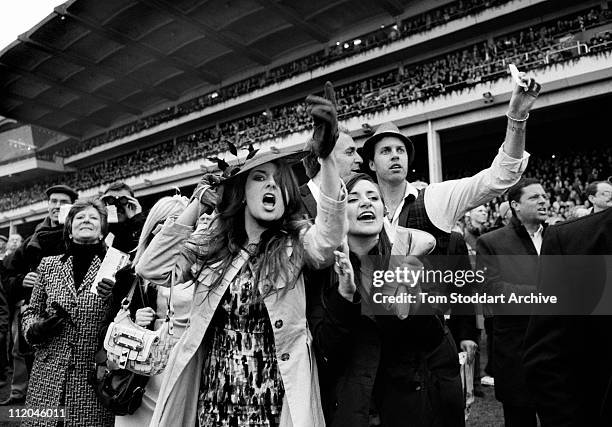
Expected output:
(226, 235)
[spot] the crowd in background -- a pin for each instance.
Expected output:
(565, 179)
(404, 84)
(385, 35)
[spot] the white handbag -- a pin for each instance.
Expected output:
(137, 349)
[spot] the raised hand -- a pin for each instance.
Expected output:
(523, 97)
(206, 192)
(325, 117)
(133, 208)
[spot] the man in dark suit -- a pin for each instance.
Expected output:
(568, 357)
(510, 257)
(347, 161)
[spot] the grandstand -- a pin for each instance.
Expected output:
(145, 91)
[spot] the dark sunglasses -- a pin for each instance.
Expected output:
(117, 201)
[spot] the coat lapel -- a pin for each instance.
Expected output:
(68, 277)
(90, 275)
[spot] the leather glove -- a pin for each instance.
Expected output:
(105, 288)
(325, 117)
(206, 192)
(42, 330)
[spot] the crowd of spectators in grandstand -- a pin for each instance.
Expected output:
(485, 61)
(565, 178)
(404, 84)
(385, 35)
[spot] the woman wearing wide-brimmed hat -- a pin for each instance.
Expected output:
(246, 358)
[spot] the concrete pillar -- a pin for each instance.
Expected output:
(434, 153)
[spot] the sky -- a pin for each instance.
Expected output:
(18, 16)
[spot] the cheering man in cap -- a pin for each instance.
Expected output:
(21, 275)
(435, 209)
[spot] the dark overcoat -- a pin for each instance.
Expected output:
(511, 263)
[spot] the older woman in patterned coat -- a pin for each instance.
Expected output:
(63, 321)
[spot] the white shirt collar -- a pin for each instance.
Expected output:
(391, 226)
(409, 191)
(536, 238)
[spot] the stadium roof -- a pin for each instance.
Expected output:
(92, 65)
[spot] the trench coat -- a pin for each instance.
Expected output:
(66, 359)
(166, 255)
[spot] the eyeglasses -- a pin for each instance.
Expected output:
(117, 201)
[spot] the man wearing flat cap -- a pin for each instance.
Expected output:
(435, 209)
(21, 275)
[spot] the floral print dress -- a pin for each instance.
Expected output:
(241, 385)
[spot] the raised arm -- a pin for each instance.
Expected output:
(170, 252)
(447, 201)
(330, 226)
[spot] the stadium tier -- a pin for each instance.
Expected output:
(437, 83)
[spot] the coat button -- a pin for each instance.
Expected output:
(285, 357)
(278, 324)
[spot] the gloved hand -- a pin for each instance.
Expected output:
(42, 330)
(206, 192)
(105, 288)
(325, 117)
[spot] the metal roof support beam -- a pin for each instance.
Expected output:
(392, 6)
(124, 39)
(208, 31)
(29, 101)
(291, 16)
(91, 65)
(54, 82)
(325, 8)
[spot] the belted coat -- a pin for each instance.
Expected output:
(167, 256)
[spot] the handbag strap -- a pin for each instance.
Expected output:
(170, 307)
(125, 304)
